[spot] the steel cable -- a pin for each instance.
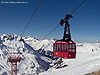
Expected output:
(40, 4)
(79, 7)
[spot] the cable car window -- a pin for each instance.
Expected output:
(62, 47)
(73, 45)
(59, 48)
(68, 45)
(55, 47)
(70, 50)
(65, 47)
(73, 50)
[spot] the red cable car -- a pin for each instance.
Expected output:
(65, 48)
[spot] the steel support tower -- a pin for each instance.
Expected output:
(14, 58)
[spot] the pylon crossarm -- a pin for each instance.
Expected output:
(14, 58)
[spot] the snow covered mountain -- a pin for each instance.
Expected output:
(37, 57)
(33, 61)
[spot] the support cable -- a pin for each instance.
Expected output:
(70, 14)
(46, 35)
(51, 32)
(79, 7)
(57, 25)
(32, 17)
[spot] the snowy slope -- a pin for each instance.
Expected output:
(87, 61)
(37, 57)
(32, 61)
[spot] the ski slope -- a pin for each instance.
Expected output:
(37, 57)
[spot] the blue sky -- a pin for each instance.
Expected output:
(85, 24)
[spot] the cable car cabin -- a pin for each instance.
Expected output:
(63, 49)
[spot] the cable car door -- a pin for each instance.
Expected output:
(65, 52)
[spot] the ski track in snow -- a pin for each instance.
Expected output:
(87, 58)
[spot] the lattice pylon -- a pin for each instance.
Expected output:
(14, 68)
(14, 58)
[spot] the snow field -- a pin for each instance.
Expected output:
(37, 58)
(87, 60)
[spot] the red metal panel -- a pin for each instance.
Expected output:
(65, 55)
(61, 54)
(71, 50)
(66, 52)
(71, 55)
(55, 54)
